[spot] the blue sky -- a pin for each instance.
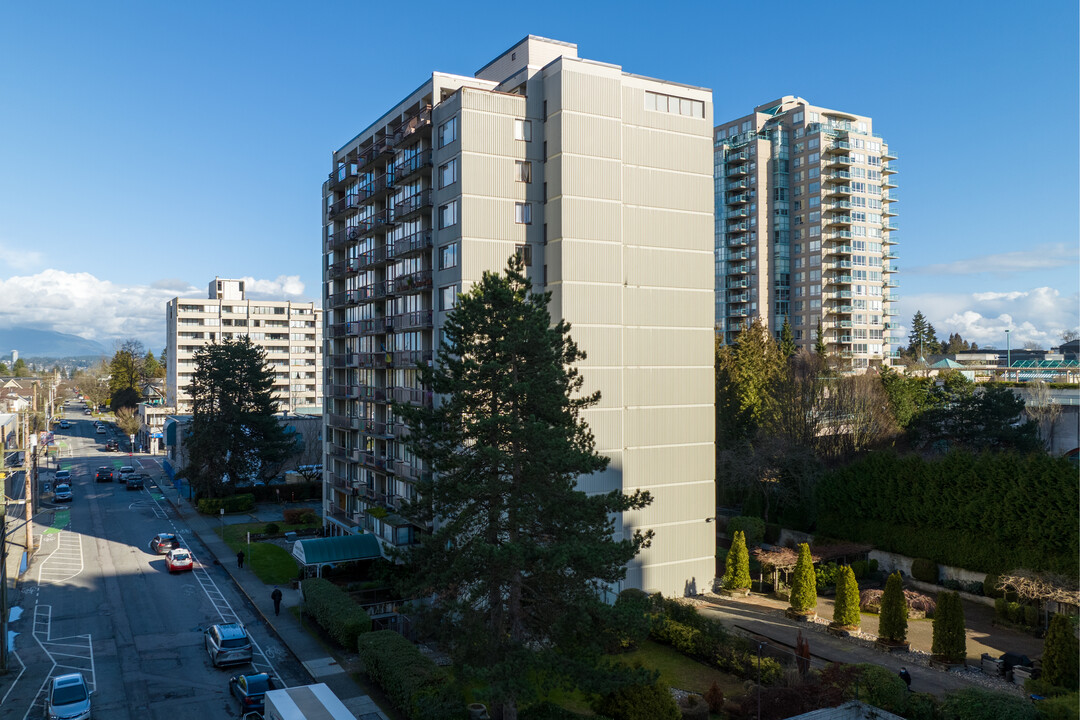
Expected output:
(147, 147)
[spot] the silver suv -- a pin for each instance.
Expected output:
(227, 644)
(68, 698)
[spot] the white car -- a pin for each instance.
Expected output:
(68, 698)
(100, 430)
(126, 473)
(178, 560)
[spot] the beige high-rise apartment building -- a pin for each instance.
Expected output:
(602, 181)
(291, 333)
(804, 229)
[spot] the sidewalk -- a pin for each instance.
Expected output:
(320, 666)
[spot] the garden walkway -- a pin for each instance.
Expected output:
(764, 617)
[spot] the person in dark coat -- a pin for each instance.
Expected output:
(240, 559)
(276, 597)
(906, 677)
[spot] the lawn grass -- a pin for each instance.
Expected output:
(270, 563)
(679, 671)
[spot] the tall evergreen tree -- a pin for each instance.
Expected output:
(787, 341)
(737, 572)
(893, 619)
(949, 642)
(234, 435)
(917, 335)
(804, 582)
(1060, 659)
(846, 606)
(151, 369)
(820, 348)
(517, 563)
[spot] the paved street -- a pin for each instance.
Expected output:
(97, 600)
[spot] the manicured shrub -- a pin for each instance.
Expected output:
(924, 570)
(1001, 608)
(292, 516)
(979, 704)
(1016, 613)
(1060, 661)
(752, 528)
(826, 575)
(337, 613)
(803, 583)
(271, 528)
(990, 588)
(882, 688)
(231, 504)
(893, 620)
(949, 641)
(630, 621)
(414, 684)
(951, 584)
(860, 568)
(693, 707)
(1060, 707)
(846, 606)
(638, 702)
(737, 574)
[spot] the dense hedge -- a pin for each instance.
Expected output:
(991, 512)
(752, 528)
(231, 504)
(638, 702)
(416, 686)
(337, 613)
(925, 570)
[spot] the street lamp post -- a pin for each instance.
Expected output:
(1008, 353)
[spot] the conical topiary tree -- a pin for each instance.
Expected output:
(1060, 661)
(737, 574)
(892, 621)
(846, 606)
(949, 641)
(804, 583)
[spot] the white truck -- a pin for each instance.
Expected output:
(307, 702)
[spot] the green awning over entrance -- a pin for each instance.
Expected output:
(345, 548)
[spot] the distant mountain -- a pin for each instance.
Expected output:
(44, 343)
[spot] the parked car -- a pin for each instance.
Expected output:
(100, 430)
(63, 477)
(227, 644)
(62, 493)
(162, 543)
(250, 690)
(68, 698)
(103, 474)
(64, 425)
(113, 446)
(136, 482)
(87, 412)
(178, 560)
(126, 472)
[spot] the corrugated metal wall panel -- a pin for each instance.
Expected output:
(591, 177)
(663, 307)
(667, 464)
(598, 304)
(602, 344)
(666, 268)
(596, 91)
(669, 386)
(589, 219)
(668, 347)
(592, 261)
(591, 135)
(655, 227)
(669, 190)
(654, 148)
(669, 426)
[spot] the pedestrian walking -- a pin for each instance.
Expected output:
(276, 597)
(240, 559)
(906, 677)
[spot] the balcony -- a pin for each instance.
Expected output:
(414, 125)
(743, 226)
(414, 320)
(345, 518)
(887, 212)
(888, 198)
(344, 360)
(738, 170)
(838, 250)
(338, 330)
(400, 430)
(887, 183)
(406, 168)
(372, 326)
(840, 235)
(347, 203)
(378, 187)
(412, 244)
(839, 294)
(372, 360)
(738, 241)
(371, 258)
(743, 254)
(886, 155)
(342, 174)
(380, 430)
(343, 299)
(889, 227)
(739, 298)
(350, 422)
(738, 284)
(411, 358)
(739, 269)
(376, 223)
(371, 293)
(413, 282)
(838, 146)
(839, 280)
(405, 470)
(738, 312)
(347, 453)
(380, 149)
(834, 190)
(839, 160)
(737, 157)
(842, 264)
(740, 212)
(343, 485)
(839, 205)
(738, 199)
(738, 185)
(412, 396)
(891, 268)
(838, 220)
(382, 463)
(345, 392)
(370, 393)
(342, 268)
(838, 176)
(412, 205)
(338, 240)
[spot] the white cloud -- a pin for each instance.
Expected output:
(1039, 257)
(84, 305)
(1039, 315)
(19, 259)
(284, 287)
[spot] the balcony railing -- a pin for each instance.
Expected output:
(413, 282)
(738, 170)
(408, 358)
(838, 250)
(740, 269)
(344, 486)
(405, 168)
(739, 212)
(346, 518)
(338, 240)
(371, 258)
(410, 126)
(379, 149)
(738, 284)
(738, 185)
(342, 174)
(378, 186)
(344, 360)
(738, 199)
(743, 254)
(379, 222)
(738, 227)
(412, 205)
(413, 320)
(738, 240)
(410, 244)
(349, 202)
(412, 396)
(343, 421)
(406, 470)
(345, 392)
(739, 298)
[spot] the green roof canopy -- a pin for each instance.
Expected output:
(345, 548)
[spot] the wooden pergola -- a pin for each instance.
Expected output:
(784, 559)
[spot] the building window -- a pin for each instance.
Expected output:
(448, 132)
(448, 215)
(448, 173)
(523, 213)
(523, 130)
(448, 256)
(523, 171)
(448, 297)
(525, 253)
(674, 105)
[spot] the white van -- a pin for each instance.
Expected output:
(307, 702)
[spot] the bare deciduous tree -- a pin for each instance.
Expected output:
(1044, 409)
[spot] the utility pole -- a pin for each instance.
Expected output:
(28, 443)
